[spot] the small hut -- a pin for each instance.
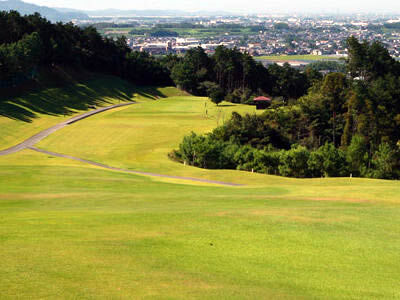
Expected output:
(262, 102)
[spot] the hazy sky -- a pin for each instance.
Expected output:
(233, 5)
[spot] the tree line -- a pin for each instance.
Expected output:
(31, 41)
(346, 124)
(235, 76)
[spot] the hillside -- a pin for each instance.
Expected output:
(34, 110)
(53, 15)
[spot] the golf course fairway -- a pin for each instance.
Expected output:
(70, 230)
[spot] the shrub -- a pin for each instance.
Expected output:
(334, 161)
(384, 162)
(293, 163)
(357, 155)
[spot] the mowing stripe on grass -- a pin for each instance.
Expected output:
(130, 171)
(45, 133)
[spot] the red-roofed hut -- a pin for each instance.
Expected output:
(262, 102)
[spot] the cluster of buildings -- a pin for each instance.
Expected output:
(298, 36)
(161, 46)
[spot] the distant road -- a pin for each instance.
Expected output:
(45, 133)
(29, 144)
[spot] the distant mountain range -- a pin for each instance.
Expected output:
(68, 14)
(52, 14)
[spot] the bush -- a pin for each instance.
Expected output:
(204, 152)
(357, 156)
(293, 163)
(384, 162)
(315, 164)
(230, 147)
(334, 161)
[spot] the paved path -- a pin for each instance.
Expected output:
(130, 171)
(45, 133)
(29, 144)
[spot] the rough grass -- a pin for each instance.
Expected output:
(69, 230)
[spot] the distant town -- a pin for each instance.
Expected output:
(258, 35)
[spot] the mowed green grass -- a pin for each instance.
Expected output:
(23, 116)
(141, 136)
(70, 230)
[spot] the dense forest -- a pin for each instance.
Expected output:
(236, 77)
(30, 42)
(347, 124)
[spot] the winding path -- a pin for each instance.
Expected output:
(130, 171)
(45, 133)
(29, 144)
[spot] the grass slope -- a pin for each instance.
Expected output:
(25, 115)
(141, 137)
(69, 230)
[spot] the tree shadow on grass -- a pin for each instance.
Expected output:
(149, 92)
(16, 112)
(68, 99)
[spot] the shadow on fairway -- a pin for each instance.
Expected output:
(78, 96)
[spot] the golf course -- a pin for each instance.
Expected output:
(97, 209)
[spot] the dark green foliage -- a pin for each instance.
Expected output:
(20, 57)
(31, 41)
(357, 155)
(214, 91)
(235, 70)
(164, 33)
(384, 162)
(293, 163)
(248, 143)
(288, 82)
(342, 126)
(370, 61)
(204, 152)
(191, 71)
(334, 89)
(250, 130)
(332, 66)
(230, 69)
(139, 63)
(333, 161)
(244, 96)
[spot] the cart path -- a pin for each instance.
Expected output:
(130, 171)
(45, 133)
(32, 141)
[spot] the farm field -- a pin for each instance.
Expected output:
(182, 32)
(72, 230)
